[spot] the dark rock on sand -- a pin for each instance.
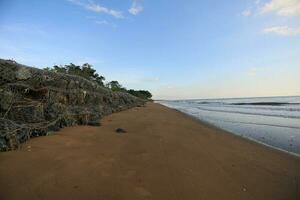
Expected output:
(120, 130)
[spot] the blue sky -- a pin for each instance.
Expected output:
(176, 49)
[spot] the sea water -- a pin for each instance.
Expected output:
(274, 121)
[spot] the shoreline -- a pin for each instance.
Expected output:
(248, 139)
(164, 155)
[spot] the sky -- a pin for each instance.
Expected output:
(176, 49)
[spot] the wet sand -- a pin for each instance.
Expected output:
(164, 155)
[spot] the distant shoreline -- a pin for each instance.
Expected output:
(225, 98)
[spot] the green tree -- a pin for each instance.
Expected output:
(88, 72)
(115, 86)
(99, 79)
(85, 71)
(144, 94)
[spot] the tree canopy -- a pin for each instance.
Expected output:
(88, 72)
(115, 86)
(85, 71)
(144, 94)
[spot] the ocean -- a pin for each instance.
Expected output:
(273, 121)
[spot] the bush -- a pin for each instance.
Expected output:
(85, 71)
(144, 94)
(115, 86)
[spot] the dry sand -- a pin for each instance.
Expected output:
(164, 155)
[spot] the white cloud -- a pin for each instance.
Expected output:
(23, 28)
(283, 30)
(101, 22)
(104, 22)
(135, 8)
(150, 79)
(251, 10)
(92, 6)
(282, 7)
(246, 13)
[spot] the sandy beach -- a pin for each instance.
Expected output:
(163, 155)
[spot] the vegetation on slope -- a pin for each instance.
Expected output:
(86, 71)
(35, 102)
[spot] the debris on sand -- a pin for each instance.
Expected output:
(120, 130)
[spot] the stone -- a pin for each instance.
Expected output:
(23, 73)
(6, 99)
(120, 130)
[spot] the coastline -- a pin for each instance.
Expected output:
(248, 139)
(165, 154)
